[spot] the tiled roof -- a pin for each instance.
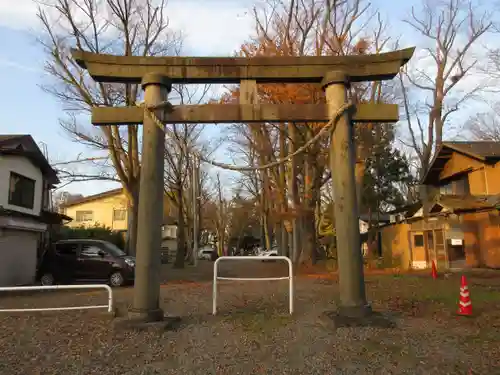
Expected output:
(457, 203)
(90, 198)
(482, 149)
(485, 151)
(7, 137)
(25, 146)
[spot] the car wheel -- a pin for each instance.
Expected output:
(116, 279)
(47, 279)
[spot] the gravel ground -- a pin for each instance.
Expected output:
(253, 333)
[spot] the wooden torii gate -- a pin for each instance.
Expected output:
(156, 74)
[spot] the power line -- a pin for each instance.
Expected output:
(80, 160)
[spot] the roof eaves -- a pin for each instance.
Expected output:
(424, 177)
(90, 198)
(454, 146)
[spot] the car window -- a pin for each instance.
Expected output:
(90, 251)
(113, 249)
(66, 248)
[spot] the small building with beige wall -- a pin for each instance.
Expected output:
(458, 223)
(110, 209)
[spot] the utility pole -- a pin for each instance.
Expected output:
(196, 198)
(147, 271)
(342, 160)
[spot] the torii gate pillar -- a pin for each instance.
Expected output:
(342, 161)
(150, 216)
(266, 70)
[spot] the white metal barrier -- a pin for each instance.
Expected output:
(289, 277)
(109, 306)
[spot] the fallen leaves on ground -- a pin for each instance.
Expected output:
(253, 332)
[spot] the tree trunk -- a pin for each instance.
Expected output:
(132, 215)
(308, 256)
(360, 168)
(294, 198)
(262, 217)
(189, 232)
(221, 222)
(267, 234)
(285, 243)
(220, 242)
(277, 236)
(266, 204)
(250, 95)
(283, 234)
(307, 248)
(312, 179)
(181, 230)
(314, 204)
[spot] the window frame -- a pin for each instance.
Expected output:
(76, 247)
(87, 245)
(22, 204)
(119, 210)
(461, 185)
(415, 238)
(85, 212)
(458, 185)
(446, 189)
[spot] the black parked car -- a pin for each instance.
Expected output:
(85, 260)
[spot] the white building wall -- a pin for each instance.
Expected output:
(17, 257)
(363, 226)
(24, 167)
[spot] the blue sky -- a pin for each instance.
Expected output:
(27, 109)
(210, 27)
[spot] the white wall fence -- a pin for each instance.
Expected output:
(254, 258)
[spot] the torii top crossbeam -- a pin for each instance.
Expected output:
(334, 74)
(225, 70)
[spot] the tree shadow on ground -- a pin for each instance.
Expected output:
(375, 320)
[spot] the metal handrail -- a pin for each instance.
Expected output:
(289, 277)
(109, 306)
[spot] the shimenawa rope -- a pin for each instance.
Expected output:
(330, 127)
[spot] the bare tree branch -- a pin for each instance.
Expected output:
(453, 28)
(120, 27)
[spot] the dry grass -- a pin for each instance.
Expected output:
(253, 334)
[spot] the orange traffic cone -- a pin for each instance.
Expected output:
(434, 271)
(464, 303)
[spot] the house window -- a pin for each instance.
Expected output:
(82, 216)
(418, 240)
(173, 232)
(21, 191)
(169, 231)
(456, 187)
(446, 189)
(462, 186)
(119, 215)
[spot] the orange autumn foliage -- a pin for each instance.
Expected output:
(277, 93)
(285, 93)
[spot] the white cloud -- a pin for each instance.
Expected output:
(210, 27)
(18, 14)
(16, 65)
